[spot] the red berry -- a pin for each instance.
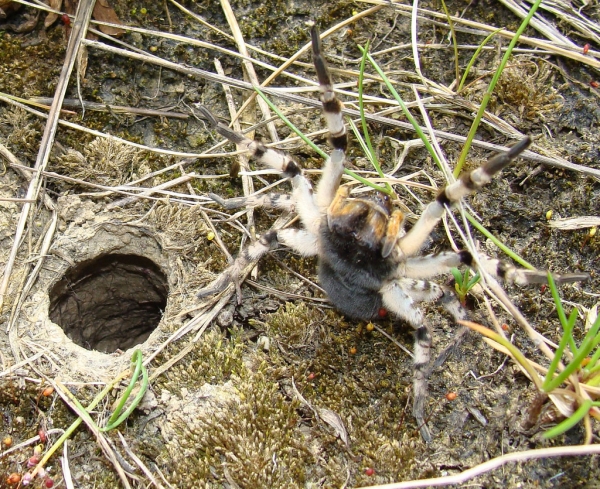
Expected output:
(451, 396)
(595, 84)
(369, 471)
(48, 482)
(311, 376)
(382, 312)
(13, 478)
(33, 461)
(66, 20)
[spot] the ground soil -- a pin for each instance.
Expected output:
(281, 390)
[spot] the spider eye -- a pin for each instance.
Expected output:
(383, 201)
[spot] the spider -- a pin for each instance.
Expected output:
(367, 263)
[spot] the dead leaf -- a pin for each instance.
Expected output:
(7, 7)
(327, 415)
(51, 17)
(82, 62)
(105, 13)
(333, 419)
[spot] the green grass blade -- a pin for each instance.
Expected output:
(473, 281)
(458, 278)
(488, 94)
(561, 314)
(592, 366)
(586, 347)
(361, 107)
(454, 43)
(322, 153)
(498, 243)
(431, 151)
(556, 360)
(361, 141)
(288, 123)
(117, 418)
(571, 421)
(405, 110)
(474, 58)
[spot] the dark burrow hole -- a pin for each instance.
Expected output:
(111, 302)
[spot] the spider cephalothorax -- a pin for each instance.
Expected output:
(368, 263)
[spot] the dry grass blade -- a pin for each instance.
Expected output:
(558, 162)
(66, 470)
(117, 109)
(248, 66)
(468, 25)
(247, 182)
(84, 13)
(566, 14)
(542, 25)
(139, 463)
(102, 442)
(575, 222)
(493, 464)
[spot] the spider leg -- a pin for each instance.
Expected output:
(467, 183)
(330, 179)
(266, 156)
(270, 201)
(399, 302)
(332, 110)
(332, 107)
(300, 240)
(431, 265)
(509, 273)
(302, 190)
(424, 290)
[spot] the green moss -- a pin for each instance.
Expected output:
(252, 441)
(215, 360)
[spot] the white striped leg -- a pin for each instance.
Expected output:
(330, 180)
(398, 302)
(424, 290)
(421, 290)
(266, 156)
(431, 265)
(332, 107)
(520, 276)
(300, 240)
(466, 184)
(270, 201)
(302, 190)
(332, 110)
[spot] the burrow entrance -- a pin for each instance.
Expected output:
(111, 302)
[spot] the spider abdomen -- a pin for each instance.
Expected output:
(352, 274)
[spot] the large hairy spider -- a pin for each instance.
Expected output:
(367, 262)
